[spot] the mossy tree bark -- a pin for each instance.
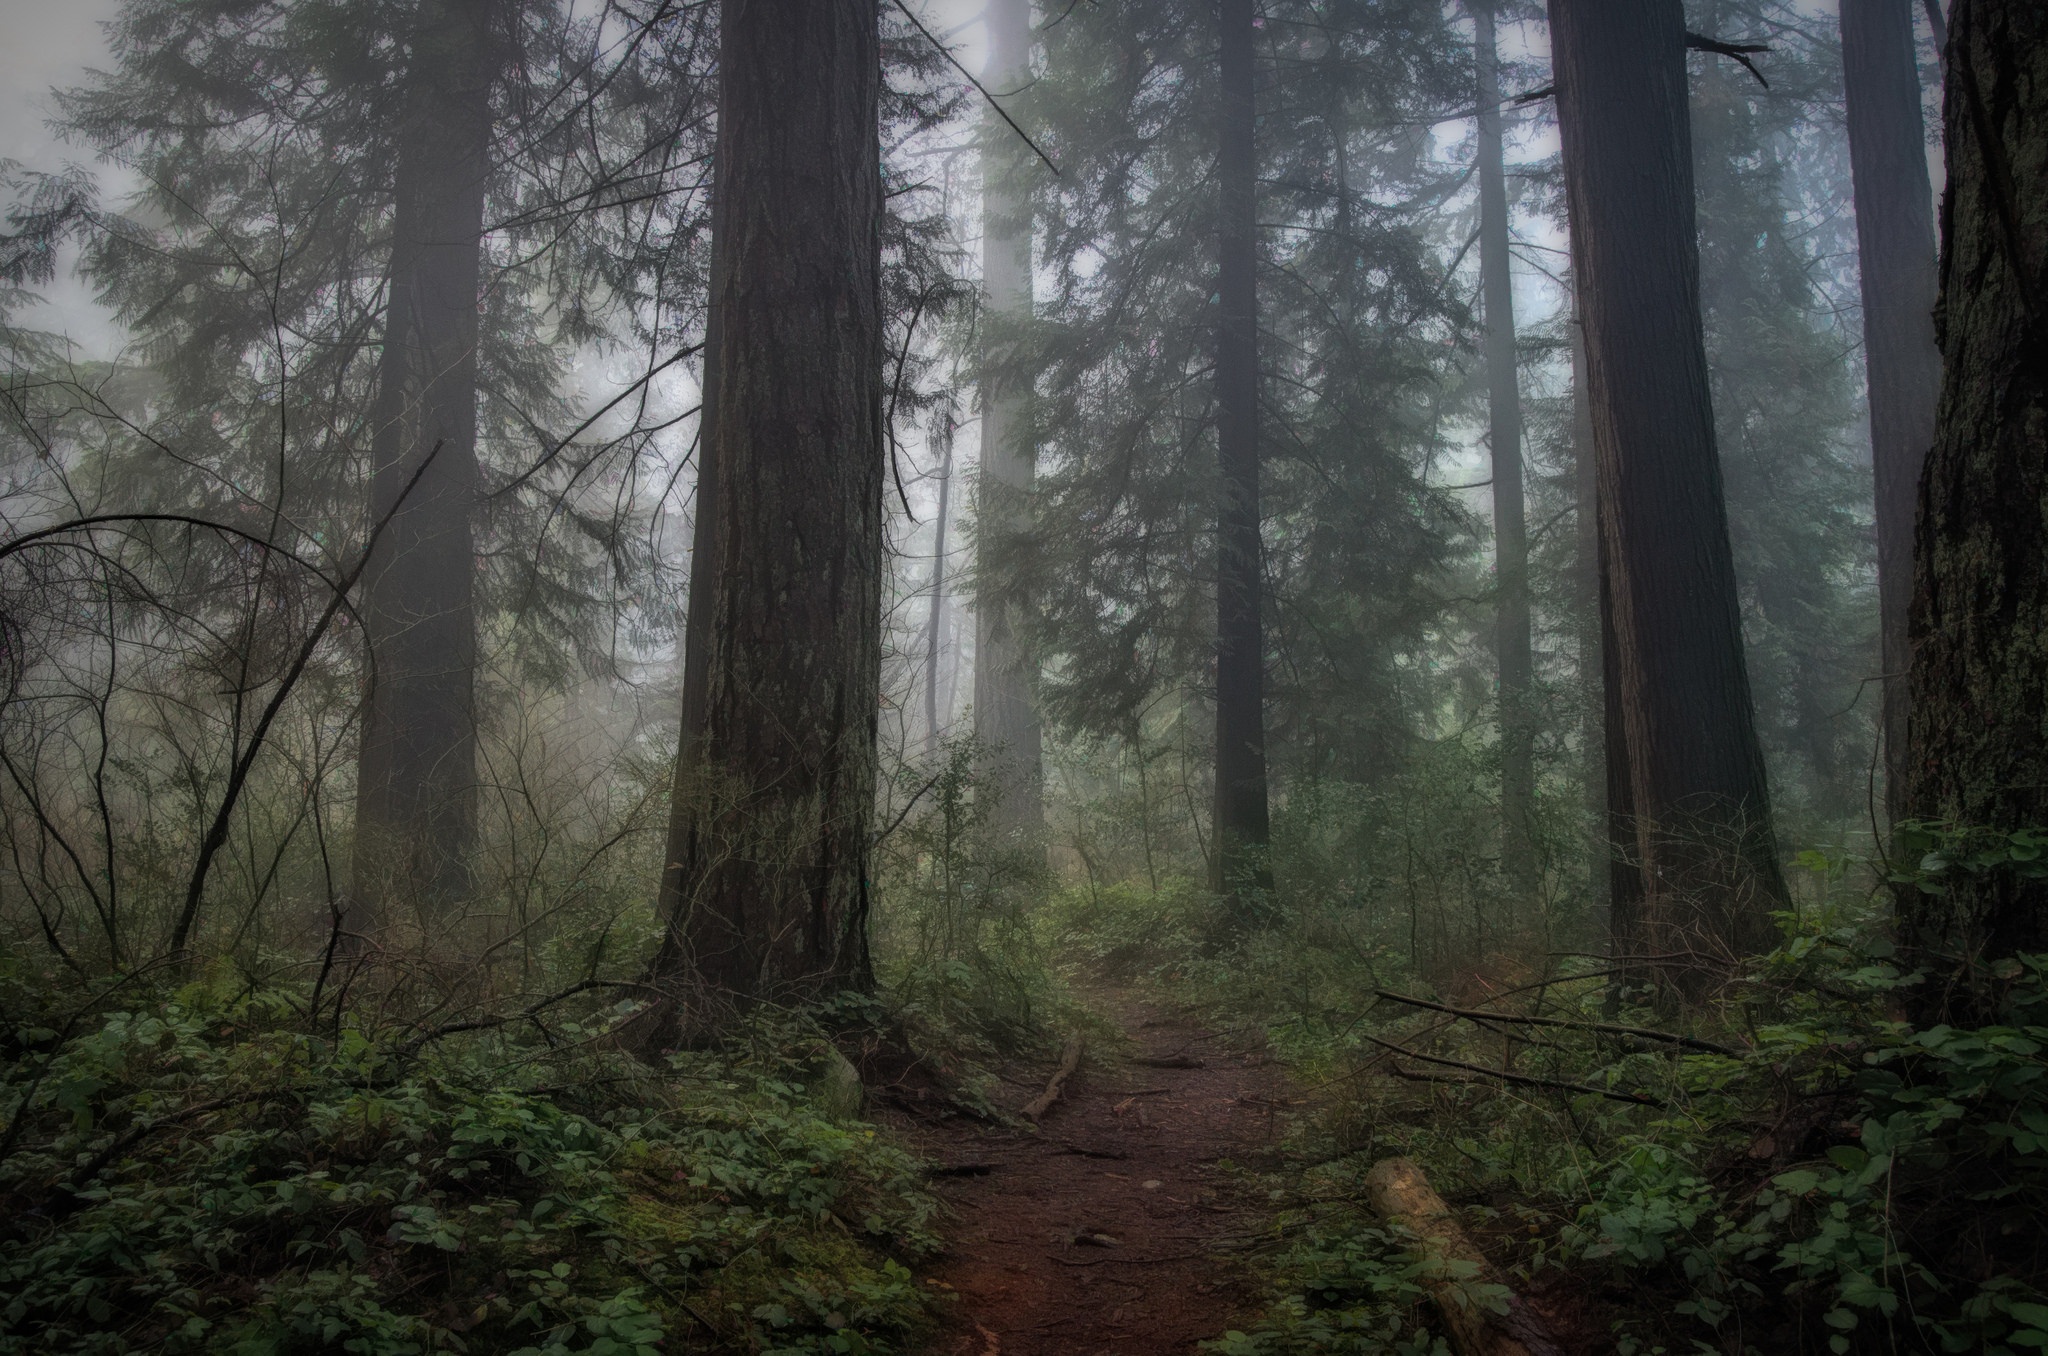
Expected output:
(1977, 741)
(1700, 803)
(769, 896)
(416, 803)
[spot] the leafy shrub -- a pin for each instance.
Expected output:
(205, 1175)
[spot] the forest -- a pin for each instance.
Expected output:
(1024, 677)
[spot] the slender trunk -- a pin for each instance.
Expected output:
(1696, 771)
(1240, 871)
(1006, 725)
(1510, 531)
(1977, 746)
(416, 800)
(937, 617)
(1895, 246)
(772, 862)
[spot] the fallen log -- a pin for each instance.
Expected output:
(1399, 1191)
(1070, 1060)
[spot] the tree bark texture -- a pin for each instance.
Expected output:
(771, 863)
(1701, 805)
(1895, 245)
(1006, 724)
(1977, 741)
(1242, 827)
(1592, 618)
(687, 781)
(1510, 530)
(416, 801)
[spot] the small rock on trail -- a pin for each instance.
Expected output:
(1109, 1230)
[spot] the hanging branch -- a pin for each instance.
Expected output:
(1604, 1028)
(954, 61)
(1739, 50)
(217, 832)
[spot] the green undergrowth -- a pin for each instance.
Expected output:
(202, 1173)
(1832, 1178)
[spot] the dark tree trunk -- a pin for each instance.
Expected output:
(935, 621)
(1895, 244)
(771, 892)
(1510, 531)
(416, 779)
(1592, 621)
(1006, 724)
(1696, 770)
(687, 785)
(1977, 742)
(1240, 871)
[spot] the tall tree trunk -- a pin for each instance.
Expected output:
(1977, 741)
(1895, 244)
(1696, 770)
(1006, 724)
(687, 785)
(1510, 531)
(936, 619)
(771, 866)
(416, 801)
(1240, 870)
(1592, 619)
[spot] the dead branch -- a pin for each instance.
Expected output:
(1521, 1080)
(1605, 1028)
(1070, 1060)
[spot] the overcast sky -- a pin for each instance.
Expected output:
(50, 43)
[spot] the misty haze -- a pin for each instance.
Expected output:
(1023, 677)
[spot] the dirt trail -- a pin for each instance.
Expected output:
(1106, 1231)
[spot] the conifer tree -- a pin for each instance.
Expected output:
(1701, 805)
(771, 861)
(1006, 724)
(1513, 660)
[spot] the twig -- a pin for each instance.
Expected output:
(1606, 1028)
(947, 53)
(1522, 1080)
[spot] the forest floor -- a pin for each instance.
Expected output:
(1108, 1231)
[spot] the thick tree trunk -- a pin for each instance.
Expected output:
(934, 622)
(416, 779)
(1895, 244)
(1586, 579)
(771, 864)
(686, 787)
(1240, 870)
(1510, 531)
(1006, 722)
(1977, 743)
(1701, 806)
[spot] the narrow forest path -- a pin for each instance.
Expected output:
(1108, 1230)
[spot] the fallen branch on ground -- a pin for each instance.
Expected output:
(1400, 1192)
(1070, 1060)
